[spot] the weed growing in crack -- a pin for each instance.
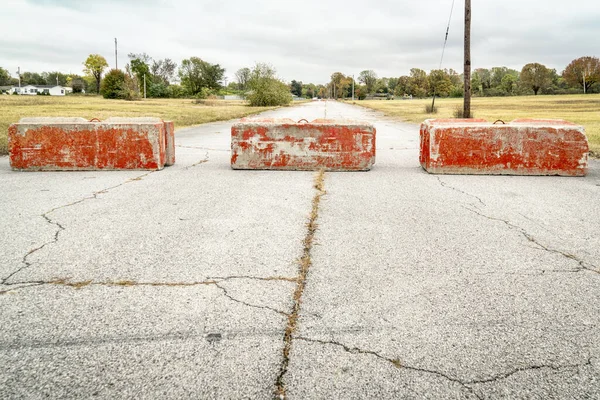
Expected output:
(305, 264)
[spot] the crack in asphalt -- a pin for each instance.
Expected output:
(128, 283)
(304, 266)
(204, 160)
(60, 228)
(248, 304)
(444, 184)
(583, 265)
(465, 384)
(394, 361)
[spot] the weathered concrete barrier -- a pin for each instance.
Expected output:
(521, 147)
(284, 144)
(64, 144)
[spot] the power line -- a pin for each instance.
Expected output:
(443, 50)
(447, 31)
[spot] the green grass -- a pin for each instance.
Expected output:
(184, 112)
(580, 109)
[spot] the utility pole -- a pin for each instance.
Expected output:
(116, 59)
(144, 85)
(19, 75)
(467, 73)
(352, 87)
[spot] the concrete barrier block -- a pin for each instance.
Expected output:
(64, 144)
(521, 147)
(169, 132)
(170, 142)
(284, 144)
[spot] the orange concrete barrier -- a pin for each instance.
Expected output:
(66, 144)
(284, 144)
(521, 147)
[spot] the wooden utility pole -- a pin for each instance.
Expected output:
(467, 73)
(116, 58)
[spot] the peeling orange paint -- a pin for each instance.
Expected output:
(521, 147)
(50, 145)
(285, 144)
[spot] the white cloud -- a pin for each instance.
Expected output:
(305, 40)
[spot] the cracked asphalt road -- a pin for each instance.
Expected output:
(203, 282)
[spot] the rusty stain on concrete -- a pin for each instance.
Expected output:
(283, 144)
(521, 147)
(65, 144)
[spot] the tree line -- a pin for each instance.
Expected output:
(198, 78)
(582, 74)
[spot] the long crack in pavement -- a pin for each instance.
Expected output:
(464, 384)
(583, 265)
(305, 264)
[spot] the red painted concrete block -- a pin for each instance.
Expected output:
(521, 147)
(66, 144)
(170, 142)
(284, 144)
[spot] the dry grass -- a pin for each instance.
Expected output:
(184, 112)
(581, 109)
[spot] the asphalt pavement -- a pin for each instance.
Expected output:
(182, 283)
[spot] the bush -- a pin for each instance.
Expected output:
(269, 92)
(265, 89)
(158, 90)
(117, 85)
(175, 91)
(431, 109)
(459, 113)
(457, 92)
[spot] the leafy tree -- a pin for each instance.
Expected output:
(485, 78)
(296, 88)
(139, 65)
(418, 84)
(163, 71)
(508, 83)
(310, 90)
(369, 79)
(440, 83)
(50, 78)
(243, 76)
(403, 86)
(77, 85)
(476, 83)
(266, 89)
(32, 78)
(392, 84)
(535, 76)
(340, 85)
(588, 67)
(5, 78)
(382, 85)
(196, 74)
(94, 65)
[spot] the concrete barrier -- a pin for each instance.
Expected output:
(284, 144)
(67, 144)
(521, 147)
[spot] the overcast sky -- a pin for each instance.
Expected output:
(304, 40)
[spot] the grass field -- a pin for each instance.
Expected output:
(581, 109)
(182, 112)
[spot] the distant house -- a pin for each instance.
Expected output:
(32, 90)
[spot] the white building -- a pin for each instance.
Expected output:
(33, 90)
